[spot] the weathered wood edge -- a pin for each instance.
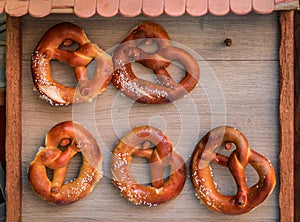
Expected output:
(297, 116)
(287, 6)
(286, 116)
(14, 117)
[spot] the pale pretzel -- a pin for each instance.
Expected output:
(48, 49)
(152, 144)
(246, 198)
(144, 91)
(75, 138)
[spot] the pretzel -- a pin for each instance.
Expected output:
(246, 198)
(152, 144)
(75, 139)
(48, 50)
(144, 91)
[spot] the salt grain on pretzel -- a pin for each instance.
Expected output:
(48, 49)
(75, 139)
(152, 144)
(143, 91)
(246, 198)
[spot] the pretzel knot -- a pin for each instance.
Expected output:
(49, 48)
(134, 48)
(246, 198)
(76, 139)
(152, 144)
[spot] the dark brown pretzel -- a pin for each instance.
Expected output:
(152, 144)
(48, 49)
(200, 172)
(76, 139)
(144, 91)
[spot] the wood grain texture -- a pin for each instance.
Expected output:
(239, 86)
(286, 112)
(297, 117)
(14, 118)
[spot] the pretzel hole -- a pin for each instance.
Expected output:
(63, 73)
(142, 72)
(73, 167)
(49, 173)
(91, 69)
(252, 176)
(140, 170)
(175, 69)
(223, 180)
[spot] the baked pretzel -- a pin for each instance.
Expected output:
(75, 139)
(206, 151)
(49, 49)
(152, 144)
(144, 91)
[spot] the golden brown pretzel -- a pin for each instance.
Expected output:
(201, 176)
(75, 138)
(48, 49)
(152, 144)
(144, 91)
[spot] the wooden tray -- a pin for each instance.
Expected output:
(240, 86)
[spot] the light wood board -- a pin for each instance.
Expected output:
(239, 86)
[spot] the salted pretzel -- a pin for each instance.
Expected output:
(152, 144)
(246, 198)
(48, 49)
(74, 138)
(143, 91)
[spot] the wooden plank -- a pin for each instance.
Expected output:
(297, 118)
(288, 5)
(286, 113)
(210, 49)
(249, 87)
(14, 119)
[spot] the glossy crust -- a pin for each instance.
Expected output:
(246, 198)
(49, 49)
(152, 144)
(144, 91)
(76, 139)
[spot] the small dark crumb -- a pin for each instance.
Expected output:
(228, 42)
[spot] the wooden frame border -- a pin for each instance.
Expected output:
(14, 118)
(286, 116)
